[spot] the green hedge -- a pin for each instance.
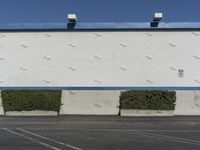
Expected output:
(153, 100)
(27, 100)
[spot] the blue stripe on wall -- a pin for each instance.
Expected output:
(99, 88)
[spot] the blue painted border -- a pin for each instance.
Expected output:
(99, 88)
(99, 26)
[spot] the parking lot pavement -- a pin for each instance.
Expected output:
(99, 133)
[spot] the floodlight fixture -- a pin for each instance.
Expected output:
(157, 17)
(72, 18)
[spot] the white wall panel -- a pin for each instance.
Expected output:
(90, 102)
(187, 103)
(1, 106)
(99, 59)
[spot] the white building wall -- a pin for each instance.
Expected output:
(90, 102)
(99, 59)
(95, 59)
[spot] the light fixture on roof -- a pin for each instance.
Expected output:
(72, 18)
(157, 17)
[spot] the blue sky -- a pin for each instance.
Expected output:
(43, 11)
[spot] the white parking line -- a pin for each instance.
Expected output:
(172, 137)
(167, 130)
(48, 139)
(116, 129)
(64, 129)
(31, 139)
(164, 137)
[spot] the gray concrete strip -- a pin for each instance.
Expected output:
(31, 139)
(48, 139)
(165, 137)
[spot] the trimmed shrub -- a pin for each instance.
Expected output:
(151, 100)
(27, 100)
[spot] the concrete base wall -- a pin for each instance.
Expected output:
(90, 102)
(107, 103)
(1, 106)
(187, 103)
(132, 112)
(31, 113)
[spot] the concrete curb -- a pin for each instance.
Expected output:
(131, 112)
(31, 113)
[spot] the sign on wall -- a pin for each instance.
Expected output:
(180, 73)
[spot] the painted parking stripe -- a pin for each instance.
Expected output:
(170, 137)
(165, 130)
(48, 139)
(165, 137)
(118, 129)
(31, 139)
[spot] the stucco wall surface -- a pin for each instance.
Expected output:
(123, 58)
(1, 106)
(90, 102)
(187, 103)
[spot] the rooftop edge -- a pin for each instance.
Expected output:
(100, 26)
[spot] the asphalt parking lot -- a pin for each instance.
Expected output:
(99, 133)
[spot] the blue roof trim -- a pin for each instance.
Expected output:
(92, 26)
(99, 88)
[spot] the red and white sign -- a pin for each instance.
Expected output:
(180, 73)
